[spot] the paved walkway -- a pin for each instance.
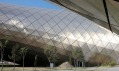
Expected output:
(103, 68)
(77, 69)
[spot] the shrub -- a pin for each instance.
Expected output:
(102, 60)
(112, 63)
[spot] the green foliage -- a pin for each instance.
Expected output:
(4, 42)
(15, 53)
(111, 63)
(51, 53)
(23, 51)
(77, 54)
(102, 60)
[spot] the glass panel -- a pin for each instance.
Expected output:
(30, 27)
(2, 26)
(63, 14)
(81, 30)
(46, 17)
(86, 24)
(65, 45)
(26, 14)
(85, 49)
(100, 46)
(66, 41)
(52, 14)
(113, 55)
(20, 17)
(95, 39)
(66, 31)
(36, 24)
(62, 38)
(46, 36)
(56, 29)
(66, 21)
(31, 19)
(86, 36)
(94, 27)
(90, 44)
(90, 31)
(40, 40)
(100, 34)
(73, 15)
(51, 23)
(51, 31)
(46, 27)
(14, 28)
(76, 34)
(70, 18)
(71, 27)
(45, 40)
(35, 33)
(104, 41)
(4, 10)
(94, 50)
(80, 19)
(117, 50)
(41, 29)
(75, 23)
(75, 44)
(16, 12)
(88, 56)
(69, 48)
(26, 22)
(71, 41)
(36, 15)
(3, 18)
(81, 41)
(56, 19)
(61, 25)
(50, 43)
(9, 16)
(56, 38)
(41, 21)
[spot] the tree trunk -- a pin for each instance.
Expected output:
(49, 61)
(77, 63)
(35, 62)
(82, 64)
(74, 62)
(14, 65)
(1, 56)
(2, 60)
(23, 62)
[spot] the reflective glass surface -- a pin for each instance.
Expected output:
(64, 29)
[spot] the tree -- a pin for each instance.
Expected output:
(23, 52)
(51, 53)
(35, 61)
(15, 54)
(3, 43)
(77, 55)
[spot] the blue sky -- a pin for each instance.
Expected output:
(31, 3)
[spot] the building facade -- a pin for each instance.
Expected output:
(61, 28)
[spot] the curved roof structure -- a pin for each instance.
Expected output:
(103, 12)
(63, 29)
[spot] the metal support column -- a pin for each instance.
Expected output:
(107, 15)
